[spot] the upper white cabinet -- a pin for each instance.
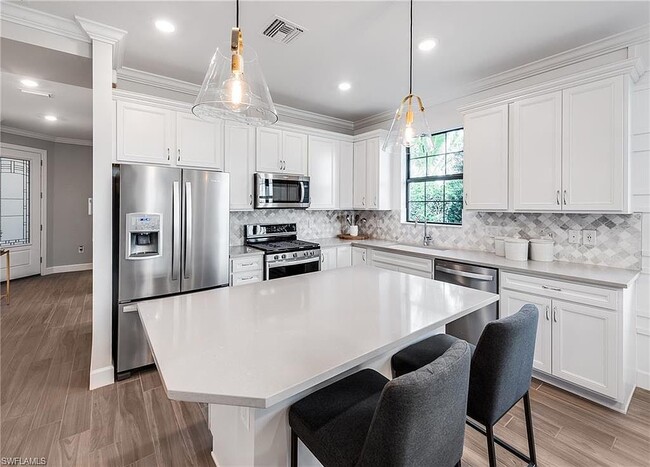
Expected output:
(198, 143)
(536, 137)
(144, 134)
(485, 177)
(280, 151)
(240, 163)
(372, 172)
(594, 146)
(346, 175)
(323, 172)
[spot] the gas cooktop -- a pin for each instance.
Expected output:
(284, 246)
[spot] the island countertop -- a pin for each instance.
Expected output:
(263, 343)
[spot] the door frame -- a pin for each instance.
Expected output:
(42, 153)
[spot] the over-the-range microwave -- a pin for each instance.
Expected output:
(277, 191)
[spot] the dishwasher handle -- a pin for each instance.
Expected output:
(470, 275)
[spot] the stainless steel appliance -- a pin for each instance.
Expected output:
(471, 326)
(281, 191)
(170, 235)
(285, 255)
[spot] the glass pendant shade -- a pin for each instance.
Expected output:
(410, 128)
(234, 89)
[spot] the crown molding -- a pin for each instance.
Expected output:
(44, 137)
(46, 22)
(104, 33)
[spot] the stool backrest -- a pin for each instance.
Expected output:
(502, 365)
(420, 418)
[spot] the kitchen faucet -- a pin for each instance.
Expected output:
(426, 240)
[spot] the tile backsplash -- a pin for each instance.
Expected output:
(618, 236)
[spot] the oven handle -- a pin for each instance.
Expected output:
(287, 263)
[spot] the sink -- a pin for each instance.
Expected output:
(427, 250)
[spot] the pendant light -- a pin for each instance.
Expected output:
(234, 87)
(410, 128)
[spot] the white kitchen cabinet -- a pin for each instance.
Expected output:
(511, 302)
(584, 346)
(413, 265)
(246, 269)
(594, 146)
(485, 177)
(239, 151)
(346, 175)
(144, 134)
(323, 173)
(372, 175)
(280, 151)
(294, 152)
(328, 259)
(359, 175)
(198, 143)
(335, 257)
(343, 256)
(359, 256)
(536, 153)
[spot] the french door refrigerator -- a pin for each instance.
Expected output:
(170, 235)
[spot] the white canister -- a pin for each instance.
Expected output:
(353, 230)
(499, 246)
(516, 249)
(541, 249)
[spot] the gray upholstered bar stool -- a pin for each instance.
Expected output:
(367, 420)
(500, 374)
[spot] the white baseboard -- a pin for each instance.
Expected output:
(643, 380)
(101, 377)
(67, 268)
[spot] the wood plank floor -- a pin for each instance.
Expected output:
(46, 409)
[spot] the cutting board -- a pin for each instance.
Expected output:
(350, 237)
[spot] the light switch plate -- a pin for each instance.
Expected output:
(589, 237)
(574, 236)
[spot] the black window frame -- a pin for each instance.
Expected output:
(434, 178)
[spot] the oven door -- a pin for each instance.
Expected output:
(281, 191)
(292, 268)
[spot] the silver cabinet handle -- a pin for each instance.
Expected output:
(247, 278)
(564, 198)
(250, 200)
(363, 255)
(322, 257)
(247, 264)
(375, 201)
(547, 313)
(168, 154)
(557, 197)
(466, 199)
(179, 155)
(363, 201)
(176, 230)
(547, 287)
(470, 275)
(555, 314)
(188, 230)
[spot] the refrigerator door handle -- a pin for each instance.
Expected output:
(176, 230)
(188, 229)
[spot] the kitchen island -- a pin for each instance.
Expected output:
(252, 351)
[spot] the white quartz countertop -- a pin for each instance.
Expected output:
(585, 273)
(263, 343)
(238, 251)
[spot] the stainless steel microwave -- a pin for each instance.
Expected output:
(277, 191)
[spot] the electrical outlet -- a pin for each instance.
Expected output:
(81, 249)
(589, 237)
(574, 236)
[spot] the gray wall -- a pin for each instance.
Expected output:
(69, 185)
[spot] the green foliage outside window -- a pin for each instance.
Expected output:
(434, 185)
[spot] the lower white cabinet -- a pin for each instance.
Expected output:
(415, 266)
(335, 257)
(359, 256)
(246, 269)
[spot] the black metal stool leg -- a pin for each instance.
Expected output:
(294, 449)
(492, 455)
(529, 429)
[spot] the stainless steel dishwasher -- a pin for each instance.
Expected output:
(471, 326)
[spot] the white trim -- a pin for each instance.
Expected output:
(104, 33)
(102, 377)
(55, 139)
(643, 380)
(46, 22)
(67, 268)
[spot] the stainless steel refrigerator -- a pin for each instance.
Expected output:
(170, 235)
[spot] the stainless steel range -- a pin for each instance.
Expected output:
(284, 254)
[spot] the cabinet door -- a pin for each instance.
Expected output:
(343, 257)
(358, 256)
(346, 175)
(144, 134)
(594, 146)
(536, 154)
(269, 148)
(294, 152)
(198, 143)
(585, 347)
(372, 173)
(511, 302)
(486, 159)
(360, 175)
(240, 163)
(327, 259)
(323, 173)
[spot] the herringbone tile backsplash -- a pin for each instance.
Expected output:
(618, 236)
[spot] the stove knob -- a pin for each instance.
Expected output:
(284, 256)
(275, 257)
(295, 255)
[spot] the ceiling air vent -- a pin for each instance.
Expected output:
(282, 31)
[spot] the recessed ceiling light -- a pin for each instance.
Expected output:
(37, 93)
(345, 86)
(165, 26)
(50, 118)
(427, 44)
(30, 83)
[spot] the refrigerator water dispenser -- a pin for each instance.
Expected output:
(143, 236)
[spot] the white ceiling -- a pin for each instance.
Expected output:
(363, 42)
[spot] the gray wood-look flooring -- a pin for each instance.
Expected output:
(47, 410)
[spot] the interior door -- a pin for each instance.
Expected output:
(20, 210)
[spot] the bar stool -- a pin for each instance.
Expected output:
(7, 294)
(367, 420)
(501, 370)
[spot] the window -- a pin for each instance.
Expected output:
(434, 181)
(14, 201)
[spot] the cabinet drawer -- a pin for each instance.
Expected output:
(241, 278)
(578, 293)
(403, 261)
(247, 263)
